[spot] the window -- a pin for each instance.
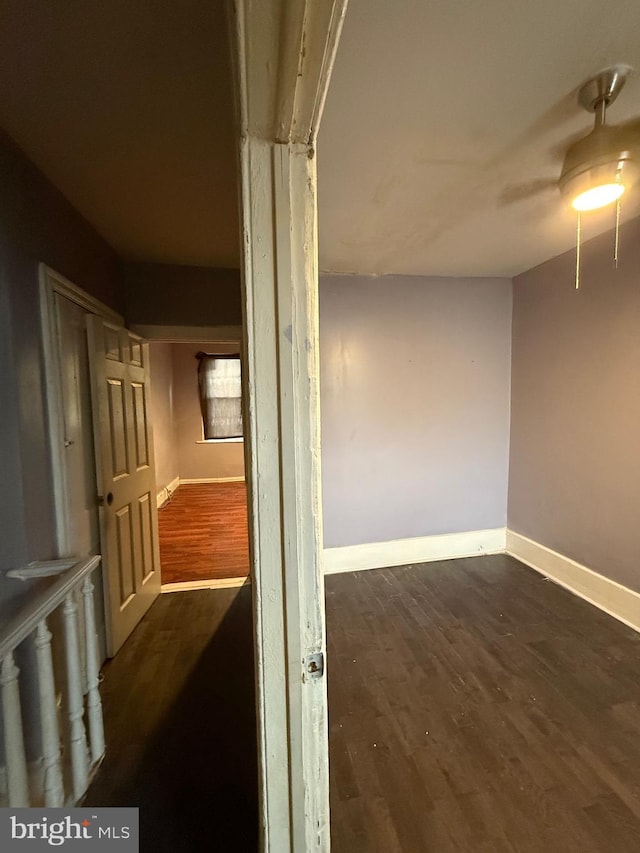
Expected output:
(220, 395)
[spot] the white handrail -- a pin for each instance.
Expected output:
(73, 585)
(43, 604)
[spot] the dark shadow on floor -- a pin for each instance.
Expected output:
(187, 760)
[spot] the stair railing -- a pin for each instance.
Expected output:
(67, 755)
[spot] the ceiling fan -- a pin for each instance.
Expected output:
(605, 163)
(600, 167)
(609, 155)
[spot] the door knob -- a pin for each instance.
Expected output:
(102, 500)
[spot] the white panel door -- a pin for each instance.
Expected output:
(125, 476)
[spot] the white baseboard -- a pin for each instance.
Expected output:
(224, 583)
(618, 601)
(164, 494)
(212, 480)
(420, 549)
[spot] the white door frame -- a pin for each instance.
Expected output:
(51, 283)
(284, 52)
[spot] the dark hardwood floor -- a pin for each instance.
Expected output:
(179, 706)
(203, 533)
(473, 706)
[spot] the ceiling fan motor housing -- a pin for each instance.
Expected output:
(608, 153)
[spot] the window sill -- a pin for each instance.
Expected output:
(220, 440)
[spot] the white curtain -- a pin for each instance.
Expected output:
(220, 396)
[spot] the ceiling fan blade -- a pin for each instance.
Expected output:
(558, 151)
(514, 193)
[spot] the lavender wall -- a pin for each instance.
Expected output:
(415, 405)
(13, 550)
(161, 406)
(574, 482)
(36, 224)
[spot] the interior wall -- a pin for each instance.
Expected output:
(14, 549)
(574, 481)
(415, 376)
(171, 295)
(36, 224)
(197, 461)
(161, 408)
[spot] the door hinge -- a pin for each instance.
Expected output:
(314, 665)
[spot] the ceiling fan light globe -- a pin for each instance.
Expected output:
(597, 197)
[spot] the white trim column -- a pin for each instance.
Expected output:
(284, 52)
(282, 369)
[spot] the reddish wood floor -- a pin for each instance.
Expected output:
(203, 533)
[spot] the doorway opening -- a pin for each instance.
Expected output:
(202, 499)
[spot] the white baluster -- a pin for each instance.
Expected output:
(75, 699)
(53, 783)
(94, 704)
(15, 758)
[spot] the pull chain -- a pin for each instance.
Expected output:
(578, 238)
(617, 243)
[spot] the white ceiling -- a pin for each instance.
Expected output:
(440, 114)
(440, 110)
